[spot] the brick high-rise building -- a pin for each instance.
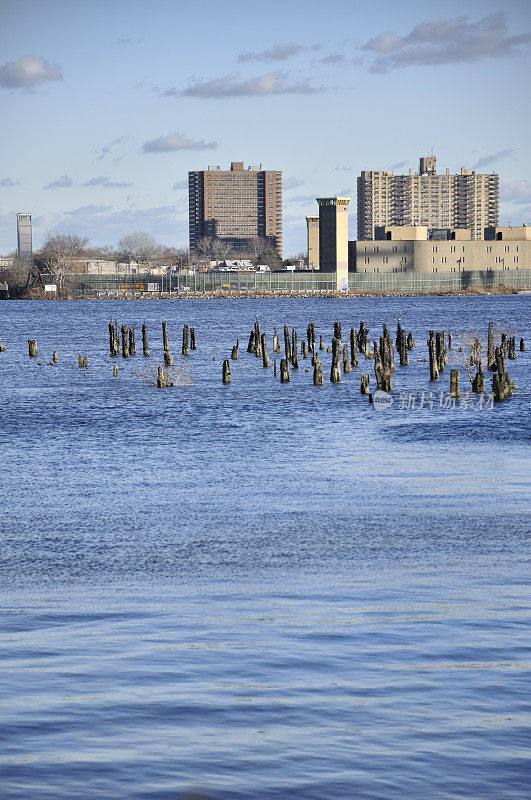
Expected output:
(235, 205)
(467, 200)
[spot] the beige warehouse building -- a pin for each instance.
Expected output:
(312, 225)
(408, 249)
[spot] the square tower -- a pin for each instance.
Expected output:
(333, 237)
(313, 242)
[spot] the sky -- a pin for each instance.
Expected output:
(106, 106)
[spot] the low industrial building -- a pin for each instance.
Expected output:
(417, 249)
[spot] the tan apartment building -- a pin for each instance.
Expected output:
(312, 225)
(465, 200)
(409, 249)
(333, 237)
(236, 205)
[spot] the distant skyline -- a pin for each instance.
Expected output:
(106, 106)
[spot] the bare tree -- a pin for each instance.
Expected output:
(213, 248)
(140, 247)
(59, 252)
(15, 274)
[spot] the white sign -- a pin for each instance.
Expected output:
(153, 287)
(50, 287)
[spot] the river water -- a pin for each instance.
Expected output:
(260, 590)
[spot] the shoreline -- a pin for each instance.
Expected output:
(501, 289)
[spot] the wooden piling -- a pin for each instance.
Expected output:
(502, 386)
(234, 354)
(79, 360)
(382, 370)
(125, 341)
(257, 340)
(321, 343)
(115, 371)
(403, 348)
(85, 361)
(226, 371)
(434, 371)
(511, 350)
(364, 387)
(168, 359)
(335, 369)
(193, 342)
(132, 342)
(304, 349)
(454, 383)
(114, 344)
(275, 369)
(165, 343)
(449, 341)
(337, 331)
(162, 379)
(491, 357)
(145, 342)
(54, 358)
(346, 360)
(310, 334)
(184, 349)
(32, 348)
(410, 341)
(265, 356)
(478, 381)
(287, 345)
(353, 347)
(3, 348)
(294, 354)
(318, 379)
(522, 345)
(251, 346)
(276, 341)
(284, 371)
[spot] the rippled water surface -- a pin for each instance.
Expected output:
(259, 590)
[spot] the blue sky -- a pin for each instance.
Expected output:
(107, 105)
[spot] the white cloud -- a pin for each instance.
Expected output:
(103, 182)
(517, 192)
(279, 52)
(232, 86)
(7, 183)
(28, 72)
(445, 41)
(485, 161)
(64, 182)
(175, 142)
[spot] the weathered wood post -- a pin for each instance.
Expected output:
(251, 346)
(310, 333)
(304, 349)
(275, 369)
(346, 360)
(276, 341)
(287, 346)
(145, 343)
(85, 362)
(265, 356)
(434, 372)
(502, 386)
(162, 380)
(353, 347)
(503, 343)
(522, 345)
(193, 342)
(398, 337)
(410, 341)
(284, 371)
(125, 342)
(79, 360)
(382, 362)
(491, 357)
(364, 387)
(511, 350)
(321, 343)
(165, 343)
(114, 345)
(454, 383)
(234, 354)
(257, 340)
(294, 354)
(440, 350)
(3, 349)
(32, 348)
(54, 357)
(403, 349)
(184, 349)
(449, 341)
(363, 336)
(318, 379)
(337, 331)
(226, 371)
(168, 359)
(132, 342)
(478, 381)
(335, 370)
(115, 371)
